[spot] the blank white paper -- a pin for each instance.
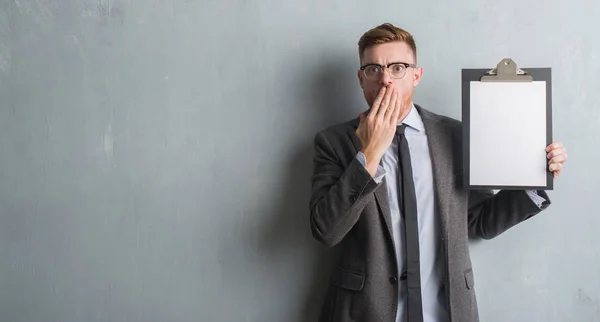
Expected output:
(508, 134)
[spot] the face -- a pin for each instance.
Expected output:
(384, 54)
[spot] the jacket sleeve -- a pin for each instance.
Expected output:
(338, 193)
(492, 214)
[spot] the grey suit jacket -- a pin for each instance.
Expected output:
(349, 210)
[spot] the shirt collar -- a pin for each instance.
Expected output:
(413, 119)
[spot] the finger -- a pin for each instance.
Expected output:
(554, 146)
(555, 167)
(385, 103)
(377, 101)
(390, 109)
(561, 158)
(361, 122)
(557, 152)
(396, 114)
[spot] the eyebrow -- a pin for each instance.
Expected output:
(397, 62)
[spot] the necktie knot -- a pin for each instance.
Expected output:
(400, 129)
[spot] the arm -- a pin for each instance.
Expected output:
(536, 198)
(490, 215)
(338, 193)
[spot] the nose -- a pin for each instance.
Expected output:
(386, 79)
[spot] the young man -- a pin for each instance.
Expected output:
(404, 243)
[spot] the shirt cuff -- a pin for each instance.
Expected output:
(380, 170)
(537, 199)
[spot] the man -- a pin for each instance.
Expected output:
(404, 243)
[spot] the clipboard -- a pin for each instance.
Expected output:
(507, 125)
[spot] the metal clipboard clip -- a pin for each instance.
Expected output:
(506, 71)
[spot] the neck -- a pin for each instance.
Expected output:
(406, 107)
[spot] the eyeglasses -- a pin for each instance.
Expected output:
(395, 70)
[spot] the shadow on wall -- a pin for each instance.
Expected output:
(328, 93)
(334, 92)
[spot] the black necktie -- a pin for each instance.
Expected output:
(408, 207)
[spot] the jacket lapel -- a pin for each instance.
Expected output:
(440, 145)
(354, 139)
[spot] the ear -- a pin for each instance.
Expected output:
(417, 76)
(360, 75)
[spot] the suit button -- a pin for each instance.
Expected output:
(403, 276)
(393, 280)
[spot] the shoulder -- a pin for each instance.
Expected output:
(452, 124)
(338, 131)
(338, 141)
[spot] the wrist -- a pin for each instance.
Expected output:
(372, 161)
(371, 156)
